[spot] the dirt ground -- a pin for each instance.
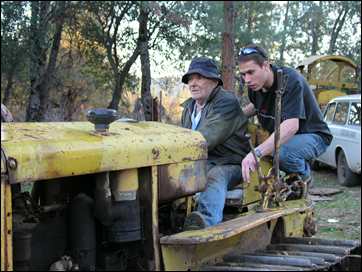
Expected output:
(338, 215)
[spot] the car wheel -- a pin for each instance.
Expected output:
(345, 176)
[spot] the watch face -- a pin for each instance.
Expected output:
(258, 153)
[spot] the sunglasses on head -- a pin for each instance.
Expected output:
(248, 51)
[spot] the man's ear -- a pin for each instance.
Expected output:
(266, 66)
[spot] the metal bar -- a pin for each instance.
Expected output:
(6, 226)
(312, 248)
(313, 259)
(277, 123)
(258, 167)
(249, 266)
(230, 268)
(274, 260)
(154, 209)
(317, 241)
(331, 258)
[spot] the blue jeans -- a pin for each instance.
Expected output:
(211, 201)
(301, 148)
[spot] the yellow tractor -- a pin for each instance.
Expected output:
(330, 76)
(113, 195)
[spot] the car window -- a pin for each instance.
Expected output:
(355, 114)
(341, 113)
(329, 113)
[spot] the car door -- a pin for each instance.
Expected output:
(352, 132)
(341, 134)
(328, 156)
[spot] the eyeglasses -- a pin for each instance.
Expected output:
(247, 51)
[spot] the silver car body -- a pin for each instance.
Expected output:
(343, 116)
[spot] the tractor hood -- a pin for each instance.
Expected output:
(37, 151)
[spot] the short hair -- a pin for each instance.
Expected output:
(253, 52)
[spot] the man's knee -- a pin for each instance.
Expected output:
(287, 157)
(215, 174)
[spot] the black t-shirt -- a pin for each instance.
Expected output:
(298, 101)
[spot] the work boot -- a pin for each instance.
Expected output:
(194, 221)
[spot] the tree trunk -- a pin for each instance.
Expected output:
(9, 85)
(315, 27)
(337, 28)
(38, 30)
(146, 96)
(121, 78)
(42, 75)
(228, 50)
(284, 37)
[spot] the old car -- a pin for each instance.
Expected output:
(343, 116)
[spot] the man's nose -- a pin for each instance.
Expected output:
(247, 79)
(192, 82)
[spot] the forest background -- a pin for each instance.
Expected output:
(60, 58)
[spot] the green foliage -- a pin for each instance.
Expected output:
(94, 49)
(14, 44)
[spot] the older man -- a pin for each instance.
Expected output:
(217, 115)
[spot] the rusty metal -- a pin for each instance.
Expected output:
(312, 248)
(51, 150)
(257, 160)
(249, 267)
(273, 260)
(328, 258)
(313, 259)
(318, 241)
(6, 225)
(310, 226)
(272, 188)
(278, 106)
(295, 253)
(181, 179)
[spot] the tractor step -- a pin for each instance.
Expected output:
(294, 254)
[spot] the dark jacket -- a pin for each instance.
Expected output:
(223, 125)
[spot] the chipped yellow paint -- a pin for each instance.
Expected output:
(234, 226)
(250, 194)
(51, 150)
(293, 223)
(6, 227)
(125, 180)
(155, 229)
(181, 179)
(186, 257)
(191, 249)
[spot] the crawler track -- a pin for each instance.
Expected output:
(296, 254)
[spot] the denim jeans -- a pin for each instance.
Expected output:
(211, 201)
(301, 148)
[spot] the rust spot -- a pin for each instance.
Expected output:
(31, 136)
(155, 153)
(187, 159)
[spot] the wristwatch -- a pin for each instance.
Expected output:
(258, 153)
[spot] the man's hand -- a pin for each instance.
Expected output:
(249, 110)
(248, 164)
